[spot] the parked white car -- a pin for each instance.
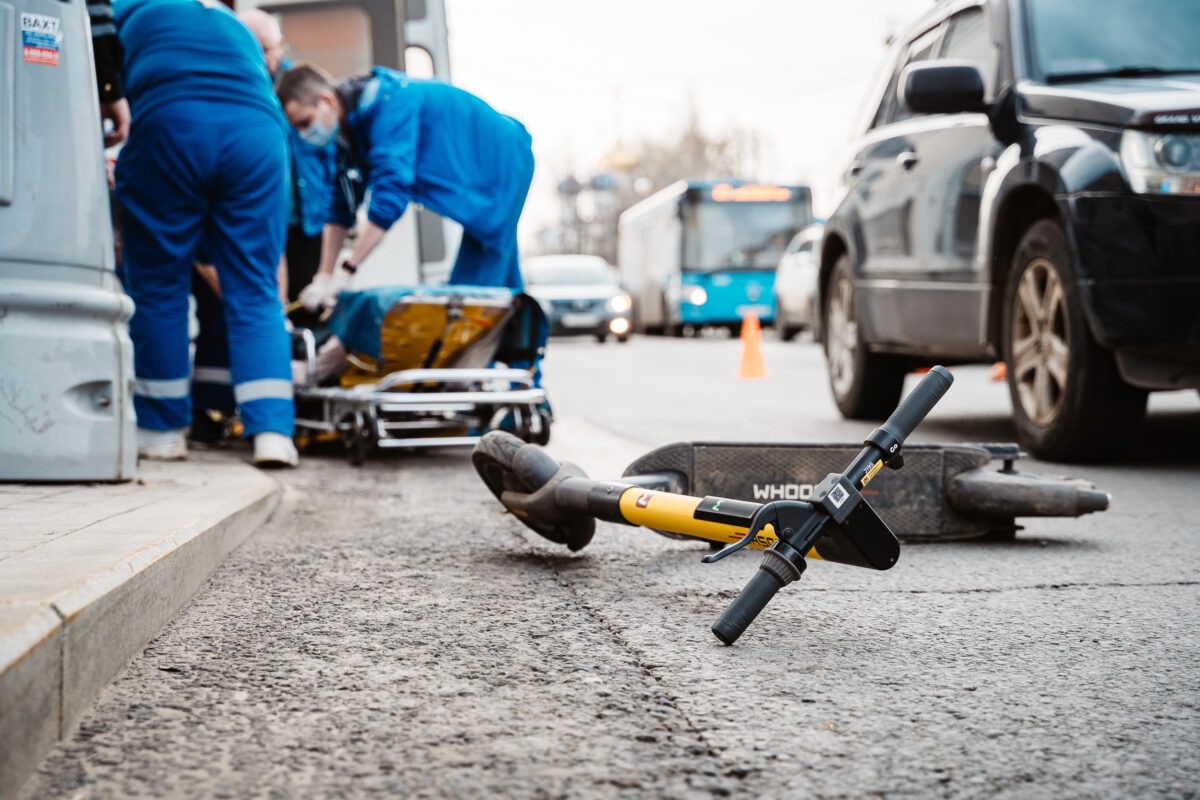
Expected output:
(796, 283)
(579, 294)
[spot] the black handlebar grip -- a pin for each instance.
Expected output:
(746, 606)
(920, 401)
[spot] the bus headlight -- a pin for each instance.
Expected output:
(1161, 163)
(695, 295)
(619, 304)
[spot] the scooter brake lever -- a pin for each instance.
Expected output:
(765, 514)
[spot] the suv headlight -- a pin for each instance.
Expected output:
(1159, 163)
(695, 295)
(619, 304)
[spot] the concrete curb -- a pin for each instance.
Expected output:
(86, 598)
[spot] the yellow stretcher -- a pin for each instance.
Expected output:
(425, 367)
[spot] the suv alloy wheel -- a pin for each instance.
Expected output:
(1069, 402)
(865, 385)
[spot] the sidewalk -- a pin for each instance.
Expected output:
(89, 573)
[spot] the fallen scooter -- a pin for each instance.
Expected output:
(830, 519)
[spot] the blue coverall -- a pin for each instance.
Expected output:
(206, 153)
(311, 177)
(429, 142)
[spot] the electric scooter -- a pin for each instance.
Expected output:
(829, 519)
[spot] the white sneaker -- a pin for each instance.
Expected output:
(162, 445)
(274, 450)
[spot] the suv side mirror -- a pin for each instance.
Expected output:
(941, 87)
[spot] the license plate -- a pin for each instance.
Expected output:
(579, 320)
(759, 311)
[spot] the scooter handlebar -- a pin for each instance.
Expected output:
(780, 566)
(746, 606)
(920, 401)
(781, 563)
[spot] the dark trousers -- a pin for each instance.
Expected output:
(303, 258)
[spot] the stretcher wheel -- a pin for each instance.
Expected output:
(495, 458)
(542, 436)
(359, 437)
(526, 419)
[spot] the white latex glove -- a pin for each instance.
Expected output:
(314, 296)
(324, 290)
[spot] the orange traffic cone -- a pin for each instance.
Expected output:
(999, 371)
(753, 365)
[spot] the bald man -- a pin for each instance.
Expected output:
(311, 169)
(310, 172)
(270, 37)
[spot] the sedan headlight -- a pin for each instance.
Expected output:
(1159, 163)
(695, 295)
(619, 304)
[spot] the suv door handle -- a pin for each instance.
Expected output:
(854, 168)
(908, 159)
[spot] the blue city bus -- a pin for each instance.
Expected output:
(703, 253)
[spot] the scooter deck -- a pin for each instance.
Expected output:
(944, 492)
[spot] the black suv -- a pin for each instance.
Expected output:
(1026, 186)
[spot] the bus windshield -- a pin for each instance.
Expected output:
(732, 236)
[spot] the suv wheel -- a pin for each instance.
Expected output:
(1069, 402)
(865, 385)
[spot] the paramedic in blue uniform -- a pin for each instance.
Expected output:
(413, 140)
(308, 199)
(206, 153)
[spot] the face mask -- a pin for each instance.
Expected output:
(319, 135)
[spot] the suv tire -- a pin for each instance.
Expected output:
(865, 385)
(1069, 401)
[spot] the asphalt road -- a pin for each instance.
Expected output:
(391, 632)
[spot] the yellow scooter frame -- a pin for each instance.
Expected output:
(836, 523)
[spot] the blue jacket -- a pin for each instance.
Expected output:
(429, 142)
(185, 50)
(310, 176)
(312, 181)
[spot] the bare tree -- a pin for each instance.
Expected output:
(648, 165)
(693, 154)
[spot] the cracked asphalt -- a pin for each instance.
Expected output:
(391, 633)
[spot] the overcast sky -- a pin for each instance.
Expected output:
(579, 75)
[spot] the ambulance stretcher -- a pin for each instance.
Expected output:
(425, 367)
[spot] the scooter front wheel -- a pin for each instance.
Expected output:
(496, 460)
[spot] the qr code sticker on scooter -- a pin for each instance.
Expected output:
(838, 495)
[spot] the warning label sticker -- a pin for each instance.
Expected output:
(41, 37)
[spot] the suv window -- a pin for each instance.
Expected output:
(968, 38)
(921, 49)
(1079, 39)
